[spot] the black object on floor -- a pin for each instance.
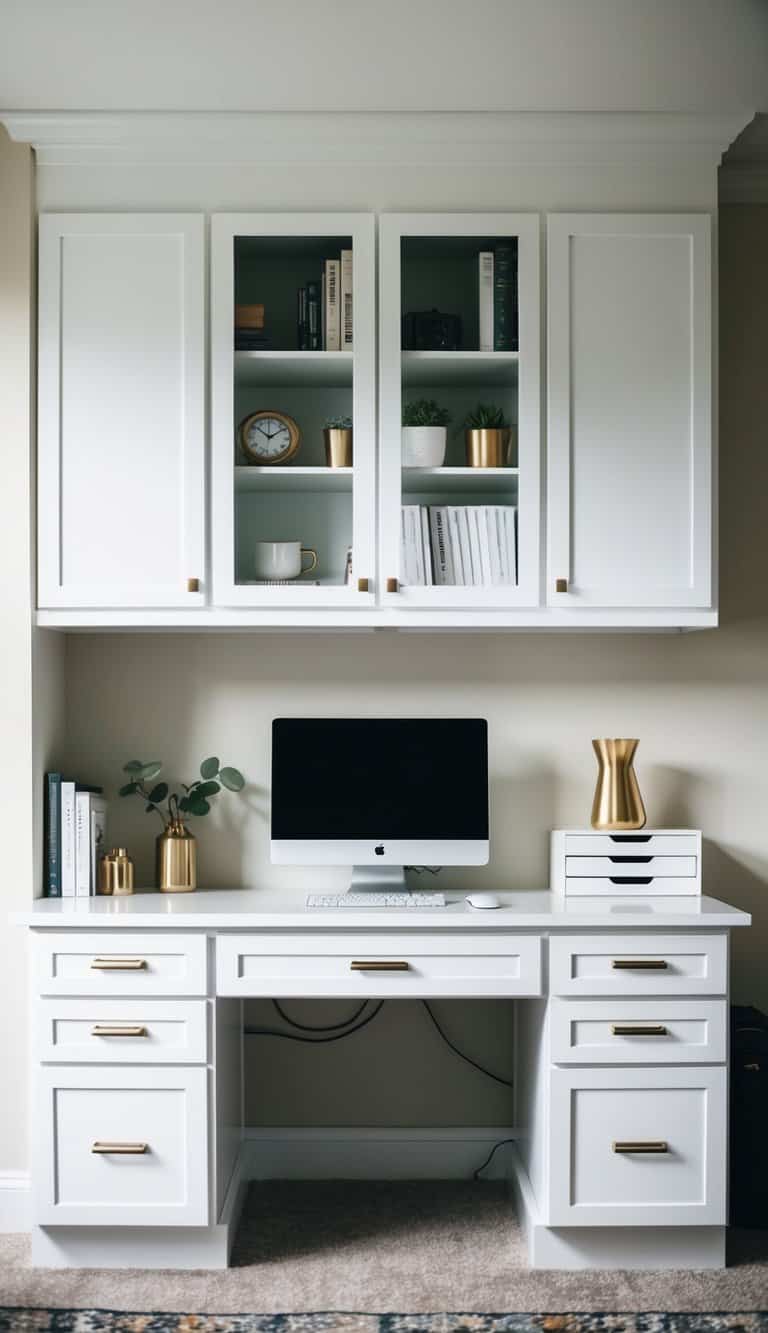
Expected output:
(749, 1117)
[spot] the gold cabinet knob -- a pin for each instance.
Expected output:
(362, 585)
(561, 585)
(193, 585)
(393, 585)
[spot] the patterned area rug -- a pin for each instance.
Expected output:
(16, 1320)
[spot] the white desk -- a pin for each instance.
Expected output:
(621, 1041)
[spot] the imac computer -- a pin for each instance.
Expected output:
(379, 794)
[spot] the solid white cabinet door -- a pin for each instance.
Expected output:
(629, 411)
(121, 474)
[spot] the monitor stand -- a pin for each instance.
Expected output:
(378, 879)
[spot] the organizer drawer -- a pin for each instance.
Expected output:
(121, 1147)
(626, 1032)
(638, 964)
(637, 1147)
(395, 965)
(97, 1031)
(624, 844)
(628, 886)
(120, 964)
(621, 865)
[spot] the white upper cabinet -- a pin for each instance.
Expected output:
(121, 475)
(459, 304)
(629, 411)
(293, 526)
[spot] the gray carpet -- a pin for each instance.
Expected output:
(382, 1247)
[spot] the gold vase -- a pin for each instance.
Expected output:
(618, 804)
(176, 859)
(491, 448)
(338, 446)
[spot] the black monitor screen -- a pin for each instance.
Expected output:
(348, 778)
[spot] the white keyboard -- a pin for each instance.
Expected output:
(376, 900)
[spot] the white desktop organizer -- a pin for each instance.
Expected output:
(642, 863)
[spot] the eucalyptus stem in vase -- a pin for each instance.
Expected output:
(176, 845)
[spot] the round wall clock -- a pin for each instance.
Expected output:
(269, 437)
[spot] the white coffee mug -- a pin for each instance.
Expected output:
(282, 560)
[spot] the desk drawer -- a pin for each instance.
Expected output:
(396, 965)
(621, 865)
(120, 964)
(624, 844)
(630, 886)
(121, 1147)
(97, 1031)
(631, 1032)
(637, 1147)
(638, 964)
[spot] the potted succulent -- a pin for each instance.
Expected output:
(338, 441)
(424, 433)
(488, 437)
(176, 846)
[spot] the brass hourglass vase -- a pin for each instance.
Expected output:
(618, 805)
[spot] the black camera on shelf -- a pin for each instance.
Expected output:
(431, 331)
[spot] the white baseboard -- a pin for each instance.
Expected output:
(373, 1154)
(15, 1201)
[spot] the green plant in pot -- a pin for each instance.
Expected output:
(489, 437)
(337, 434)
(424, 433)
(176, 846)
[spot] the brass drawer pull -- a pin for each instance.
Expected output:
(641, 1145)
(119, 964)
(393, 585)
(640, 964)
(193, 585)
(561, 585)
(362, 585)
(105, 1030)
(639, 1030)
(125, 1149)
(379, 965)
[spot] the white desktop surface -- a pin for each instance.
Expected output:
(285, 909)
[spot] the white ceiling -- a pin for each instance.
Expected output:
(666, 55)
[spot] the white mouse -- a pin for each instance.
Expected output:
(484, 900)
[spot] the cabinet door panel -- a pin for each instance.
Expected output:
(629, 361)
(121, 410)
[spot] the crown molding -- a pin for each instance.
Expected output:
(553, 138)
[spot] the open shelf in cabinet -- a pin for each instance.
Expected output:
(288, 368)
(293, 478)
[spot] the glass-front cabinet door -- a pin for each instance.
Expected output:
(293, 410)
(460, 411)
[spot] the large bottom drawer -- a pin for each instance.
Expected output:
(637, 1147)
(121, 1147)
(401, 964)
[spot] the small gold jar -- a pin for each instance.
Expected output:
(115, 873)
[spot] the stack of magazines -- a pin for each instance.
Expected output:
(467, 545)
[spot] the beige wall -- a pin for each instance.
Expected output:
(698, 702)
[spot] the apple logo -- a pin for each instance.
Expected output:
(380, 849)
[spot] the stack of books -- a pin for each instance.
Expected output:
(468, 545)
(325, 308)
(497, 287)
(75, 837)
(250, 335)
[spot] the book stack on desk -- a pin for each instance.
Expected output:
(75, 837)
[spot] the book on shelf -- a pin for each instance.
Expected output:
(458, 545)
(485, 298)
(64, 837)
(505, 307)
(302, 321)
(90, 840)
(313, 316)
(346, 301)
(332, 313)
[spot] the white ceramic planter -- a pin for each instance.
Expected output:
(424, 446)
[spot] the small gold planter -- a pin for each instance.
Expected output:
(115, 873)
(338, 446)
(491, 448)
(618, 805)
(176, 859)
